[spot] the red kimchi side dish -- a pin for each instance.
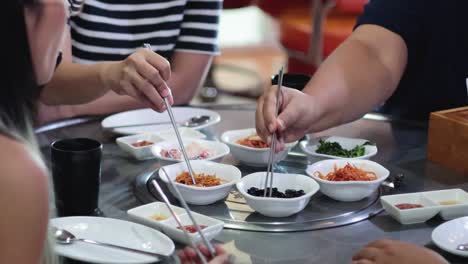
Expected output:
(253, 141)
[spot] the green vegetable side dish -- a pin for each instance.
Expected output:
(335, 149)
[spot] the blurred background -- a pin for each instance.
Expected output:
(257, 37)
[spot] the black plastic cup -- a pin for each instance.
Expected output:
(292, 80)
(76, 172)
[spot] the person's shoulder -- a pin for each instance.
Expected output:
(24, 200)
(21, 170)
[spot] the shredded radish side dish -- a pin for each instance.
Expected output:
(202, 180)
(347, 173)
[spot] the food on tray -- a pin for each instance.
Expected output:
(202, 180)
(191, 228)
(347, 173)
(335, 149)
(142, 143)
(253, 141)
(289, 193)
(194, 151)
(159, 217)
(404, 206)
(449, 202)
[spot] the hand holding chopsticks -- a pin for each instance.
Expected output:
(176, 130)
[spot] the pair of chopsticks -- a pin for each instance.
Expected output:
(176, 129)
(271, 158)
(210, 247)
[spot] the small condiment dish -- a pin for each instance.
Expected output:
(454, 202)
(144, 152)
(212, 228)
(278, 207)
(255, 157)
(143, 214)
(347, 143)
(140, 153)
(228, 174)
(216, 150)
(347, 191)
(410, 216)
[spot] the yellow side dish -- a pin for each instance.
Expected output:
(159, 217)
(449, 202)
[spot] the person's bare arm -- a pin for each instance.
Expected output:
(24, 203)
(358, 76)
(142, 75)
(187, 75)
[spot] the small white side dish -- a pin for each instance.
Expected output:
(185, 132)
(413, 215)
(216, 149)
(143, 153)
(454, 202)
(256, 157)
(229, 175)
(346, 143)
(347, 191)
(140, 153)
(142, 214)
(278, 207)
(450, 234)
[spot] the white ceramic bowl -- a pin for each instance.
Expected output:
(413, 215)
(143, 214)
(278, 207)
(203, 195)
(347, 191)
(217, 149)
(346, 143)
(256, 157)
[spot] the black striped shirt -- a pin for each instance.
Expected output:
(110, 30)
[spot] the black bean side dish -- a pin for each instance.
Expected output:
(275, 193)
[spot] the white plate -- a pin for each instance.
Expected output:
(450, 234)
(142, 116)
(143, 215)
(114, 231)
(346, 143)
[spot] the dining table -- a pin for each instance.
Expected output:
(401, 147)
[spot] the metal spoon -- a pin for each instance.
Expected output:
(63, 236)
(463, 247)
(194, 121)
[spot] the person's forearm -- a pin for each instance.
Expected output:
(184, 83)
(75, 84)
(360, 75)
(188, 74)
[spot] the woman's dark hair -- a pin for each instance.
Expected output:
(19, 90)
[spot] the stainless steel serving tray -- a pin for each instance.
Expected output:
(321, 212)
